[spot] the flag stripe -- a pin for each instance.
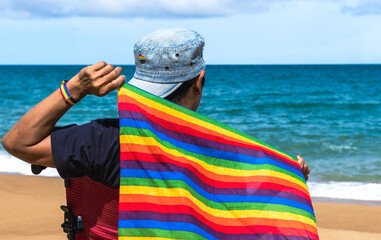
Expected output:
(154, 205)
(188, 134)
(229, 201)
(153, 225)
(182, 194)
(149, 233)
(216, 230)
(175, 152)
(134, 127)
(206, 187)
(216, 180)
(175, 114)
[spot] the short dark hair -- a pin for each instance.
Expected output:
(179, 93)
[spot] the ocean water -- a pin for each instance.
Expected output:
(329, 114)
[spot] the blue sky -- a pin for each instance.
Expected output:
(236, 32)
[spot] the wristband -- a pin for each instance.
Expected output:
(66, 94)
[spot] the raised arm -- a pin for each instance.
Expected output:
(29, 138)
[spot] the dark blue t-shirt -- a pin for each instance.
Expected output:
(92, 149)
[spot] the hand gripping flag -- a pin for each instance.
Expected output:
(186, 176)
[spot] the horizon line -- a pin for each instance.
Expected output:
(217, 64)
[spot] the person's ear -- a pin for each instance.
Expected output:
(198, 84)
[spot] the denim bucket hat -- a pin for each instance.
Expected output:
(166, 58)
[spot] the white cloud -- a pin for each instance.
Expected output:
(16, 9)
(130, 8)
(298, 31)
(363, 7)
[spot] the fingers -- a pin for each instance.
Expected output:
(111, 75)
(301, 162)
(95, 71)
(99, 69)
(109, 81)
(111, 86)
(98, 66)
(100, 79)
(105, 73)
(305, 168)
(104, 70)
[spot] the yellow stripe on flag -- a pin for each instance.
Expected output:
(180, 192)
(150, 141)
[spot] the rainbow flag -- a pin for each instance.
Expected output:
(186, 176)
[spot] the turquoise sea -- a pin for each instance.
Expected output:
(329, 114)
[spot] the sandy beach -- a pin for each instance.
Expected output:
(30, 210)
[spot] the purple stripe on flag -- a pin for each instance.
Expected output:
(169, 217)
(137, 164)
(205, 143)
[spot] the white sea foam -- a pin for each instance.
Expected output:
(12, 165)
(339, 148)
(339, 190)
(346, 190)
